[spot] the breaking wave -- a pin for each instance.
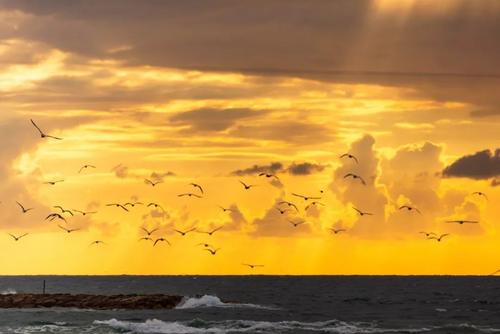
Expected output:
(214, 301)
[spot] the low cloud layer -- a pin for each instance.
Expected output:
(481, 165)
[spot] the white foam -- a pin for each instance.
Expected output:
(214, 301)
(8, 291)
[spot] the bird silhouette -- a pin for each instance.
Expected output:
(427, 234)
(132, 204)
(149, 232)
(23, 209)
(68, 230)
(212, 251)
(313, 204)
(252, 266)
(53, 183)
(84, 213)
(212, 231)
(350, 156)
(479, 193)
(409, 208)
(17, 238)
(146, 238)
(63, 210)
(247, 186)
(86, 167)
(197, 186)
(205, 245)
(97, 242)
(354, 177)
(162, 240)
(306, 198)
(118, 205)
(184, 233)
(225, 209)
(295, 224)
(282, 211)
(53, 216)
(152, 183)
(156, 206)
(43, 134)
(337, 231)
(290, 204)
(461, 222)
(361, 213)
(269, 175)
(438, 239)
(189, 195)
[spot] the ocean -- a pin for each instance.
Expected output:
(268, 304)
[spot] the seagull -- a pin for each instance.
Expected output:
(183, 233)
(350, 156)
(197, 186)
(146, 238)
(160, 240)
(211, 232)
(305, 198)
(252, 266)
(63, 210)
(295, 224)
(314, 204)
(479, 193)
(69, 230)
(84, 213)
(427, 234)
(337, 231)
(268, 175)
(53, 183)
(97, 242)
(461, 222)
(361, 213)
(205, 245)
(438, 239)
(133, 204)
(86, 167)
(23, 209)
(290, 204)
(117, 205)
(149, 232)
(152, 183)
(155, 206)
(42, 134)
(247, 186)
(225, 209)
(282, 211)
(409, 208)
(212, 251)
(18, 237)
(189, 195)
(354, 176)
(53, 216)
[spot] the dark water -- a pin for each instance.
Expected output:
(326, 304)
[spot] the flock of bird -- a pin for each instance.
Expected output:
(198, 192)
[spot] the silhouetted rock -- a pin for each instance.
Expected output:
(90, 301)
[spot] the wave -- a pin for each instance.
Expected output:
(8, 291)
(214, 301)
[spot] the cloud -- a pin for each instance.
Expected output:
(305, 168)
(481, 165)
(272, 168)
(211, 119)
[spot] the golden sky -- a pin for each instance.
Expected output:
(184, 92)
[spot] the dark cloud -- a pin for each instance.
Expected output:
(305, 168)
(481, 165)
(212, 120)
(272, 168)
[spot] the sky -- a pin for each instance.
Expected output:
(215, 93)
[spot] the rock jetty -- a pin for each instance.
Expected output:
(82, 301)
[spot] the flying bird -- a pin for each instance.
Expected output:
(354, 177)
(68, 230)
(152, 183)
(54, 216)
(205, 245)
(189, 195)
(43, 134)
(438, 239)
(97, 242)
(247, 186)
(337, 231)
(63, 210)
(162, 240)
(117, 205)
(149, 232)
(146, 238)
(361, 213)
(84, 213)
(427, 234)
(53, 183)
(212, 251)
(479, 193)
(461, 222)
(252, 266)
(269, 175)
(282, 211)
(313, 204)
(306, 198)
(225, 209)
(155, 205)
(23, 209)
(350, 156)
(183, 233)
(409, 208)
(197, 186)
(86, 167)
(212, 231)
(290, 204)
(295, 224)
(133, 204)
(17, 238)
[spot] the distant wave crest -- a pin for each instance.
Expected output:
(8, 291)
(214, 301)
